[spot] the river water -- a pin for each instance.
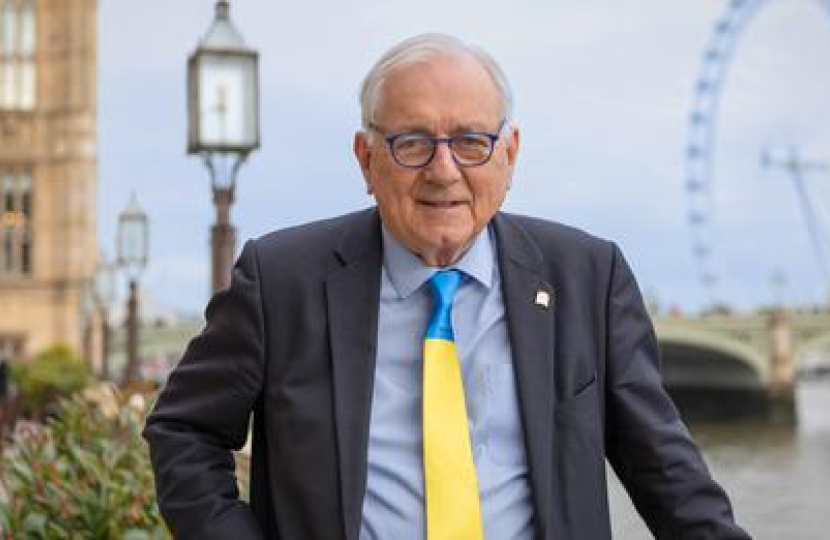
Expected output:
(778, 478)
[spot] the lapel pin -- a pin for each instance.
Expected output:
(542, 298)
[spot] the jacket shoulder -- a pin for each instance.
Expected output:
(315, 244)
(559, 242)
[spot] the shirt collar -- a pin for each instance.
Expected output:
(408, 272)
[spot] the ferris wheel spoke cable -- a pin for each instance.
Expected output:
(701, 137)
(813, 223)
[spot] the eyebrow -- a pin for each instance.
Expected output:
(458, 130)
(468, 128)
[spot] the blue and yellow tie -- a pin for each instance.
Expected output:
(453, 511)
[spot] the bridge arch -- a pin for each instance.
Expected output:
(693, 358)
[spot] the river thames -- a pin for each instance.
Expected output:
(777, 477)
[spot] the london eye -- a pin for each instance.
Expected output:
(701, 176)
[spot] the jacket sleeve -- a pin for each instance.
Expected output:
(203, 414)
(647, 443)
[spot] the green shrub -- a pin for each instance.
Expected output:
(54, 373)
(85, 474)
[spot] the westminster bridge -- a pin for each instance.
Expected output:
(713, 365)
(741, 365)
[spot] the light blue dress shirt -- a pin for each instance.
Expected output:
(393, 507)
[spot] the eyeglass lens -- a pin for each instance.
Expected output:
(417, 150)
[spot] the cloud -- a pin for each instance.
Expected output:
(603, 90)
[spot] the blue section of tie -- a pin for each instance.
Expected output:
(443, 284)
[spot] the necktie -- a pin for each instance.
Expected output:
(453, 511)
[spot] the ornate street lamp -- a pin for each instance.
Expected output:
(133, 245)
(223, 111)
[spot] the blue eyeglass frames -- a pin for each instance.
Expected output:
(414, 150)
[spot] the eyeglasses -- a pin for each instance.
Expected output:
(416, 150)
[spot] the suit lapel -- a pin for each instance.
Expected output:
(352, 297)
(530, 325)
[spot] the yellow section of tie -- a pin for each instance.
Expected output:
(453, 509)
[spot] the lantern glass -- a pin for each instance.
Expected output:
(133, 239)
(223, 101)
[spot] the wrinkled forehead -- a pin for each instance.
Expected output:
(438, 81)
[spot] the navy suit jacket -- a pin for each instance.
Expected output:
(293, 341)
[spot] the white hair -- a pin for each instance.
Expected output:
(417, 49)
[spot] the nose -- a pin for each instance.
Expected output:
(443, 167)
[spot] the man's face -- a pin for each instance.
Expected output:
(437, 210)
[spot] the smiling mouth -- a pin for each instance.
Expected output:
(441, 204)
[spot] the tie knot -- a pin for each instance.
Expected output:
(444, 284)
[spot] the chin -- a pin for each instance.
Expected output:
(450, 242)
(446, 237)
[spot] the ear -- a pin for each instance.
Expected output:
(363, 152)
(513, 145)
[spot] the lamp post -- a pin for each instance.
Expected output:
(223, 124)
(133, 243)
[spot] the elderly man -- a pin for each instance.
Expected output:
(431, 367)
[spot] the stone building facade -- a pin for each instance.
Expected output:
(48, 247)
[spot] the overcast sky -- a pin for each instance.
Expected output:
(603, 90)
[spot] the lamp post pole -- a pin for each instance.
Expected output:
(223, 113)
(223, 238)
(133, 242)
(132, 370)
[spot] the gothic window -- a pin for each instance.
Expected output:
(15, 227)
(18, 45)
